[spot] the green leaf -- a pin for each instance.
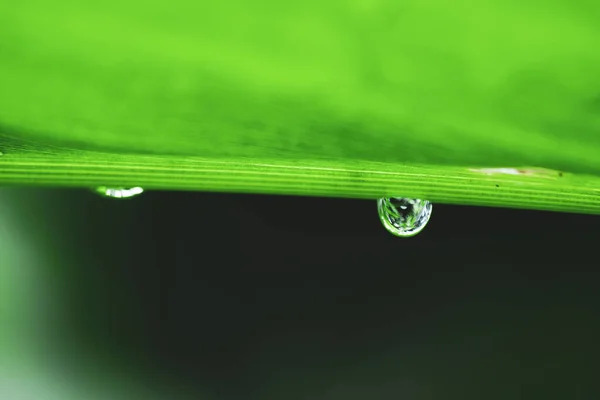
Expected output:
(358, 99)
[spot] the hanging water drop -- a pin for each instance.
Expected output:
(118, 192)
(404, 217)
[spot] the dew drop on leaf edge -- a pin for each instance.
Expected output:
(404, 217)
(118, 192)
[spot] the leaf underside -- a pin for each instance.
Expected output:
(495, 103)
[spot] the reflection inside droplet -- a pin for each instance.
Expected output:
(404, 217)
(118, 192)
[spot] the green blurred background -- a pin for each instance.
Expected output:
(177, 295)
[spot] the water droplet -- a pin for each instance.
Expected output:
(402, 216)
(118, 192)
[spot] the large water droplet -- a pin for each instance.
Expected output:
(118, 192)
(402, 216)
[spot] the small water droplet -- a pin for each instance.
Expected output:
(118, 192)
(402, 216)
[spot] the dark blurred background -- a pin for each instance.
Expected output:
(225, 296)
